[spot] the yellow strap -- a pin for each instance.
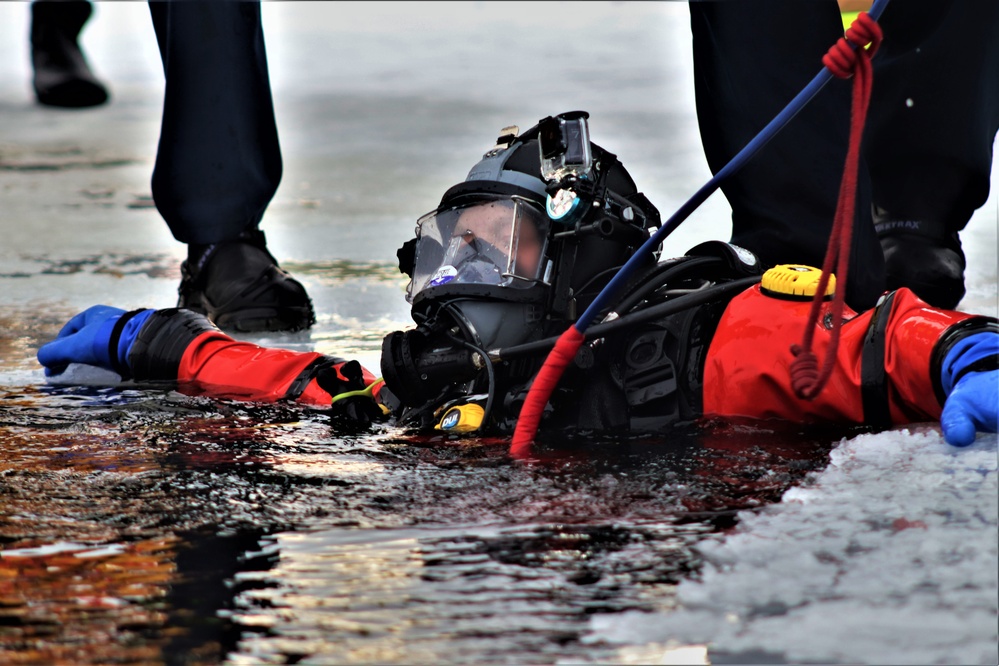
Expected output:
(367, 392)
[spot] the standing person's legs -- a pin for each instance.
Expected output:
(219, 164)
(934, 117)
(751, 57)
(62, 76)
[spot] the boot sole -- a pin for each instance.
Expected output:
(266, 320)
(73, 94)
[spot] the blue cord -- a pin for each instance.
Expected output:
(770, 131)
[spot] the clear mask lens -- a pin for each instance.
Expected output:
(500, 243)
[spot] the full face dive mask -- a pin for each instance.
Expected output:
(504, 260)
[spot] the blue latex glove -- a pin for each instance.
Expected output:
(86, 339)
(970, 380)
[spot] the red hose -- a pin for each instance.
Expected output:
(541, 389)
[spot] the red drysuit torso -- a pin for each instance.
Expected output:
(747, 372)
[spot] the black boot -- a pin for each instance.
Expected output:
(927, 260)
(239, 286)
(62, 75)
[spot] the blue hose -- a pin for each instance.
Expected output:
(626, 271)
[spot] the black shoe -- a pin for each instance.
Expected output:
(928, 262)
(62, 75)
(239, 286)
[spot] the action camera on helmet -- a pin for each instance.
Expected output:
(566, 163)
(564, 141)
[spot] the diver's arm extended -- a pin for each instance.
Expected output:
(895, 364)
(183, 346)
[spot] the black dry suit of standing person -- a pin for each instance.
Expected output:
(509, 259)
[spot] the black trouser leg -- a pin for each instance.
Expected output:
(750, 58)
(219, 162)
(62, 76)
(934, 112)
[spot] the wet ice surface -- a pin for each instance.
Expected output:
(887, 556)
(138, 525)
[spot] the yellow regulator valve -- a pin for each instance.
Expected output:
(462, 418)
(794, 281)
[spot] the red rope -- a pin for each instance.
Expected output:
(843, 60)
(544, 384)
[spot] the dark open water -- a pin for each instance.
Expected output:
(145, 526)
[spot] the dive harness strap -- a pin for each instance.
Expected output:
(300, 383)
(873, 382)
(334, 375)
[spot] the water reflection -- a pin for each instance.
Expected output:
(73, 603)
(457, 595)
(148, 526)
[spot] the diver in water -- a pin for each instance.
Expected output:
(506, 263)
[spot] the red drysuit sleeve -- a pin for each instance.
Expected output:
(885, 356)
(183, 346)
(216, 365)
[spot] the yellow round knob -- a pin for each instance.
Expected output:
(795, 280)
